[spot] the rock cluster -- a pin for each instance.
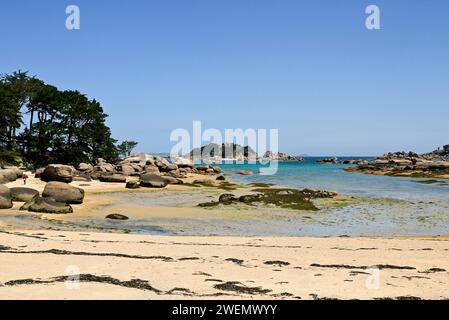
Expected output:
(217, 153)
(280, 156)
(133, 166)
(335, 160)
(57, 198)
(410, 164)
(283, 198)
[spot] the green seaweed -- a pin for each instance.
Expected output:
(228, 186)
(260, 185)
(285, 198)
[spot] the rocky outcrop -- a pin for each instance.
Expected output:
(206, 169)
(283, 198)
(142, 163)
(47, 205)
(63, 192)
(103, 166)
(280, 156)
(182, 162)
(407, 164)
(5, 197)
(23, 194)
(58, 172)
(150, 180)
(335, 160)
(216, 153)
(332, 160)
(245, 172)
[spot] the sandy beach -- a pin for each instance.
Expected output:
(80, 263)
(41, 265)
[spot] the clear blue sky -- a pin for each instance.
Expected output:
(309, 68)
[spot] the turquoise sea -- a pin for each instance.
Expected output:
(309, 174)
(389, 206)
(386, 206)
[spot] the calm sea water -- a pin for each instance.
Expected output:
(309, 174)
(388, 206)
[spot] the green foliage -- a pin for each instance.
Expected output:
(125, 148)
(446, 149)
(62, 126)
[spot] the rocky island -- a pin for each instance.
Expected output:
(434, 164)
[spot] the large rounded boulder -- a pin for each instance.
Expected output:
(58, 172)
(23, 194)
(9, 175)
(151, 180)
(63, 192)
(47, 205)
(5, 198)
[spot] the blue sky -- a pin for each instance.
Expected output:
(309, 68)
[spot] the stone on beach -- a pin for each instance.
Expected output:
(82, 176)
(116, 216)
(58, 172)
(5, 197)
(132, 185)
(152, 181)
(117, 178)
(47, 205)
(227, 198)
(63, 192)
(152, 169)
(171, 180)
(245, 172)
(23, 194)
(126, 169)
(85, 167)
(10, 174)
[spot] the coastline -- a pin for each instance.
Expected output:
(111, 264)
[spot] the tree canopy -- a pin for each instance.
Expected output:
(43, 124)
(126, 147)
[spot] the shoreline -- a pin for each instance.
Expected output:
(89, 263)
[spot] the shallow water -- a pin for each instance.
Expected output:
(388, 206)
